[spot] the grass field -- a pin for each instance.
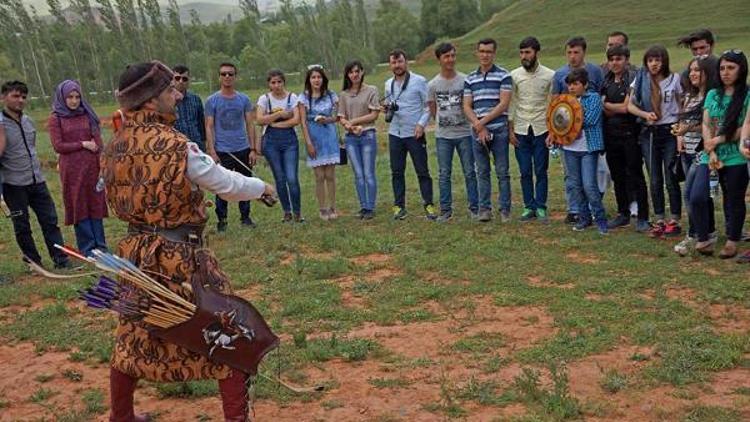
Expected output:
(415, 321)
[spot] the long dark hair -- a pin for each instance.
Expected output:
(308, 84)
(660, 52)
(730, 125)
(348, 68)
(703, 68)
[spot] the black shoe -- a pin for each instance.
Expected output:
(247, 221)
(221, 226)
(368, 215)
(360, 214)
(621, 220)
(571, 218)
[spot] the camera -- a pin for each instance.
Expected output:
(390, 111)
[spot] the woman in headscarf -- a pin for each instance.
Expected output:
(75, 134)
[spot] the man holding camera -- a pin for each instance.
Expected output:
(407, 113)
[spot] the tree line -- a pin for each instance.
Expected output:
(92, 40)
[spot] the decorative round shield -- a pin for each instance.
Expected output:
(564, 119)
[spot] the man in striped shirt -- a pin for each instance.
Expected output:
(487, 93)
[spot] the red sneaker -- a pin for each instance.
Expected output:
(657, 229)
(672, 229)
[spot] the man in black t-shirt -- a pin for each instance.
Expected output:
(621, 140)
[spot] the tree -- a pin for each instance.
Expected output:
(429, 22)
(392, 29)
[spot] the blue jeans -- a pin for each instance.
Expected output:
(581, 169)
(498, 147)
(398, 149)
(445, 149)
(533, 160)
(697, 189)
(362, 151)
(281, 149)
(90, 235)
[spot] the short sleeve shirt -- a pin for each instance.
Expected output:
(230, 130)
(447, 94)
(716, 106)
(596, 79)
(616, 92)
(484, 90)
(353, 105)
(321, 106)
(671, 92)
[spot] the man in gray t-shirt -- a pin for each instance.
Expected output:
(453, 131)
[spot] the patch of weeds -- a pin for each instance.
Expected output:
(448, 404)
(556, 403)
(300, 339)
(93, 400)
(745, 391)
(42, 378)
(639, 357)
(613, 381)
(416, 315)
(190, 389)
(77, 356)
(691, 355)
(72, 375)
(711, 414)
(356, 349)
(569, 345)
(685, 394)
(331, 404)
(485, 393)
(389, 382)
(57, 327)
(494, 363)
(481, 343)
(41, 395)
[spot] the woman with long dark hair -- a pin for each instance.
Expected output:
(75, 134)
(318, 110)
(358, 109)
(279, 114)
(690, 139)
(724, 111)
(655, 99)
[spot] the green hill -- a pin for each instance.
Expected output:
(645, 21)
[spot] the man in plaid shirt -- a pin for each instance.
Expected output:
(190, 109)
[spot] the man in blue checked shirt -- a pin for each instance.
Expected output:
(408, 113)
(190, 110)
(487, 93)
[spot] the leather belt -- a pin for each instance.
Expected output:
(186, 233)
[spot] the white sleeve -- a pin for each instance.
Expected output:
(230, 185)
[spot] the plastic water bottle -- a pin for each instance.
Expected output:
(713, 182)
(100, 184)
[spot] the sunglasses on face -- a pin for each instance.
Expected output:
(178, 78)
(227, 74)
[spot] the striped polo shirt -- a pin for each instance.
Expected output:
(484, 90)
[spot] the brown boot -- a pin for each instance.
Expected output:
(234, 398)
(729, 250)
(121, 389)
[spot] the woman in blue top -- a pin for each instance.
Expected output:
(278, 112)
(318, 109)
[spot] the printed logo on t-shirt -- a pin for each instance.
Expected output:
(450, 105)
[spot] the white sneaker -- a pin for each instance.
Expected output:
(634, 209)
(685, 246)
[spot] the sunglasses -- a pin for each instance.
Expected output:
(179, 78)
(315, 66)
(732, 51)
(227, 74)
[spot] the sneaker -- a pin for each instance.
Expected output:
(603, 227)
(287, 218)
(332, 214)
(744, 258)
(504, 216)
(247, 221)
(368, 214)
(620, 221)
(657, 229)
(324, 214)
(729, 250)
(582, 225)
(221, 226)
(528, 214)
(571, 218)
(485, 216)
(445, 216)
(672, 229)
(685, 246)
(399, 213)
(474, 214)
(298, 218)
(745, 237)
(431, 212)
(707, 247)
(642, 226)
(541, 215)
(361, 213)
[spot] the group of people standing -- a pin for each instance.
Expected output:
(683, 127)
